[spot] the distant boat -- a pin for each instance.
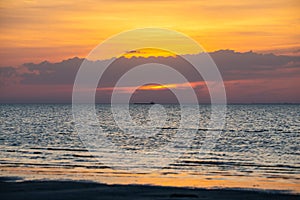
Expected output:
(144, 103)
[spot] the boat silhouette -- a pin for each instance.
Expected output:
(145, 103)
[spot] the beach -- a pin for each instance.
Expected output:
(88, 190)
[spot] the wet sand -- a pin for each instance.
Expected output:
(86, 190)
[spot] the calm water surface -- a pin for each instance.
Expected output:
(258, 148)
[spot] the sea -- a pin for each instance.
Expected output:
(258, 147)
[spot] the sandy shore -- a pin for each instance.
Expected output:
(84, 190)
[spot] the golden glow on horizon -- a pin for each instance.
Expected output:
(158, 87)
(37, 30)
(155, 87)
(148, 52)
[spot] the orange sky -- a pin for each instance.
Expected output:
(37, 30)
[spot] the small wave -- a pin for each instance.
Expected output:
(195, 163)
(59, 149)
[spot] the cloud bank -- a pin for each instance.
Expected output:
(248, 77)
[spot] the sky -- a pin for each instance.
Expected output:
(34, 31)
(38, 30)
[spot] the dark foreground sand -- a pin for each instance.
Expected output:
(82, 190)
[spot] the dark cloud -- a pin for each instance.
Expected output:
(232, 65)
(47, 73)
(249, 65)
(7, 76)
(229, 59)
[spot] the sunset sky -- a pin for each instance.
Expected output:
(34, 31)
(38, 30)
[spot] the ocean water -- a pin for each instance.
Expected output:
(259, 147)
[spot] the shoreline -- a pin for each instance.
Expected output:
(59, 189)
(164, 179)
